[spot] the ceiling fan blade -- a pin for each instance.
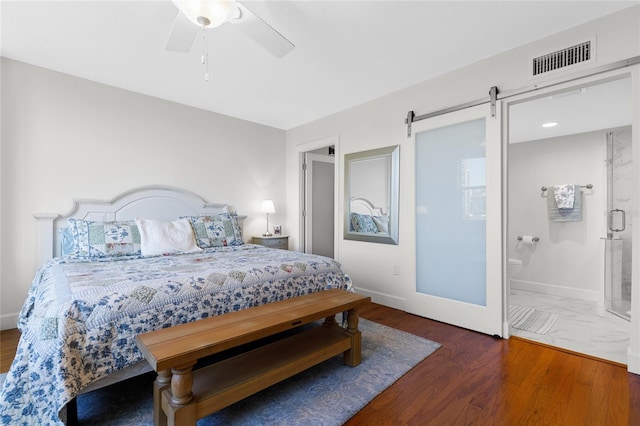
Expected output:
(262, 33)
(182, 34)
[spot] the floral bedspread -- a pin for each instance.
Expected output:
(81, 317)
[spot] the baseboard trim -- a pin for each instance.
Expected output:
(556, 290)
(506, 330)
(8, 321)
(383, 298)
(633, 362)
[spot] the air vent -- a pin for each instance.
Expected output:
(562, 58)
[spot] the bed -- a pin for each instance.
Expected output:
(92, 296)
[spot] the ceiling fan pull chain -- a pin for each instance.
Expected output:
(205, 56)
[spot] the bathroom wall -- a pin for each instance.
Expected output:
(569, 258)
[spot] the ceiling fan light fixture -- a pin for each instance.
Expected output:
(207, 13)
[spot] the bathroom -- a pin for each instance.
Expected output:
(572, 274)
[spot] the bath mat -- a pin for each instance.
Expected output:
(530, 319)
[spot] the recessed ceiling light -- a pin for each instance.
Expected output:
(551, 124)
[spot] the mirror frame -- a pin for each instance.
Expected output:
(393, 153)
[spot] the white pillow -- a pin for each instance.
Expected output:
(159, 237)
(382, 223)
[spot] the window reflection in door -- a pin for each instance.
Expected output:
(473, 188)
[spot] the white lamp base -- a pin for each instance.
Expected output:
(267, 234)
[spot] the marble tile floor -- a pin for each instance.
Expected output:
(578, 328)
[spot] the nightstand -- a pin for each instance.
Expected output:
(276, 241)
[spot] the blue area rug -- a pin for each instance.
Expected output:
(327, 394)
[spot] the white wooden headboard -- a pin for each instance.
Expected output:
(149, 202)
(364, 206)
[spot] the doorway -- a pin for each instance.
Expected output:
(319, 200)
(567, 247)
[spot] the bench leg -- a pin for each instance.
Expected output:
(177, 402)
(352, 356)
(330, 321)
(181, 384)
(178, 415)
(163, 381)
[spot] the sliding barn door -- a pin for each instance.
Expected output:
(458, 243)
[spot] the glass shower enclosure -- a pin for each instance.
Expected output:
(618, 248)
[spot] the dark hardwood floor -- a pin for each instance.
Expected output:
(8, 344)
(476, 379)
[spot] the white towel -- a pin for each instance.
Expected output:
(565, 195)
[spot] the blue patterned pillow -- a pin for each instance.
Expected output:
(363, 223)
(216, 230)
(237, 229)
(67, 245)
(93, 239)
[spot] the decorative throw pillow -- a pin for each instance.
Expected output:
(354, 224)
(93, 239)
(216, 230)
(209, 232)
(67, 244)
(159, 237)
(363, 223)
(237, 229)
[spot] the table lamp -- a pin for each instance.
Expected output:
(267, 207)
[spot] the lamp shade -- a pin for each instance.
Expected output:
(216, 11)
(267, 207)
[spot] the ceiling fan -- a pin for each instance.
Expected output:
(196, 15)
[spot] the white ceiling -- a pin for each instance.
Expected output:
(347, 52)
(584, 109)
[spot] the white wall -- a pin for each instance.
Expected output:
(380, 123)
(65, 137)
(569, 258)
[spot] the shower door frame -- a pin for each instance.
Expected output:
(615, 257)
(632, 72)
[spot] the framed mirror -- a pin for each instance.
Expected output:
(371, 189)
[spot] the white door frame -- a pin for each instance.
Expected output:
(633, 354)
(487, 319)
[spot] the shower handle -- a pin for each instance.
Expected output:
(623, 221)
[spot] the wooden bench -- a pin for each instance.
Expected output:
(182, 395)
